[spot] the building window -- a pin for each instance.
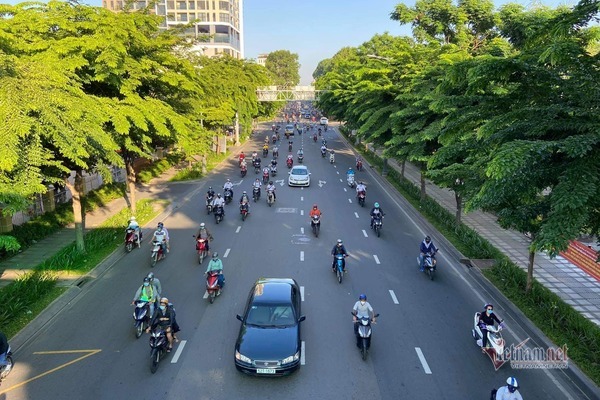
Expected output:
(182, 17)
(141, 4)
(213, 6)
(202, 17)
(161, 10)
(181, 5)
(223, 5)
(202, 5)
(223, 17)
(171, 5)
(191, 5)
(119, 5)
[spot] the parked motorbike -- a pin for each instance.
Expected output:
(361, 198)
(201, 249)
(350, 180)
(244, 210)
(141, 317)
(359, 165)
(339, 267)
(243, 170)
(429, 264)
(209, 207)
(131, 240)
(219, 214)
(157, 252)
(378, 224)
(363, 335)
(255, 194)
(315, 224)
(158, 346)
(212, 285)
(5, 370)
(495, 341)
(331, 157)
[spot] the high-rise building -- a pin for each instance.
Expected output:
(261, 59)
(217, 25)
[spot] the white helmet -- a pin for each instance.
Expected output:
(202, 225)
(132, 219)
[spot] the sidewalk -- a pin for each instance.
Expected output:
(568, 281)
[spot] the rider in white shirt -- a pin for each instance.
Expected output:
(136, 227)
(258, 185)
(508, 392)
(266, 171)
(360, 188)
(161, 235)
(271, 188)
(228, 186)
(300, 153)
(219, 202)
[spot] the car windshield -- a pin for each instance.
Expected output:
(271, 315)
(289, 127)
(299, 171)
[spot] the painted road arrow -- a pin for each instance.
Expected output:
(280, 181)
(321, 183)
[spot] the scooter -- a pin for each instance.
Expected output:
(158, 347)
(377, 224)
(141, 315)
(255, 194)
(5, 370)
(315, 224)
(227, 195)
(273, 170)
(212, 285)
(244, 210)
(289, 162)
(361, 198)
(495, 341)
(201, 249)
(339, 267)
(363, 335)
(350, 180)
(243, 170)
(331, 157)
(429, 264)
(323, 153)
(157, 252)
(209, 207)
(265, 152)
(265, 177)
(359, 165)
(219, 214)
(130, 239)
(300, 158)
(270, 198)
(315, 138)
(256, 168)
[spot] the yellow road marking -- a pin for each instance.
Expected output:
(89, 353)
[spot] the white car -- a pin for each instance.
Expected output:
(299, 176)
(324, 121)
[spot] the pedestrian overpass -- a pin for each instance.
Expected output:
(293, 93)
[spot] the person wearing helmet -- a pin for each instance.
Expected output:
(275, 152)
(339, 248)
(487, 318)
(162, 235)
(133, 224)
(146, 292)
(244, 198)
(204, 233)
(376, 211)
(315, 211)
(271, 188)
(241, 158)
(257, 185)
(427, 246)
(216, 264)
(508, 392)
(361, 309)
(163, 319)
(218, 201)
(361, 188)
(228, 186)
(210, 195)
(155, 282)
(350, 172)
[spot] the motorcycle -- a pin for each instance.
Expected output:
(494, 336)
(212, 285)
(331, 158)
(270, 198)
(201, 249)
(274, 139)
(339, 267)
(157, 252)
(275, 152)
(289, 162)
(219, 214)
(265, 177)
(256, 167)
(5, 370)
(359, 165)
(131, 240)
(315, 137)
(429, 264)
(227, 195)
(350, 180)
(265, 153)
(273, 170)
(363, 335)
(243, 170)
(377, 224)
(361, 198)
(255, 194)
(141, 316)
(323, 153)
(158, 346)
(290, 147)
(315, 224)
(209, 207)
(244, 209)
(300, 158)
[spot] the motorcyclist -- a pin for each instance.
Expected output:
(254, 155)
(242, 158)
(361, 188)
(300, 153)
(508, 392)
(275, 152)
(204, 233)
(256, 162)
(163, 318)
(427, 246)
(146, 292)
(136, 228)
(155, 282)
(161, 235)
(266, 148)
(315, 211)
(244, 197)
(323, 149)
(487, 318)
(3, 349)
(290, 143)
(274, 163)
(274, 138)
(216, 264)
(210, 195)
(339, 248)
(376, 211)
(219, 202)
(361, 309)
(271, 188)
(258, 185)
(228, 186)
(350, 173)
(175, 326)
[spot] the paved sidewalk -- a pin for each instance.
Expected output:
(568, 281)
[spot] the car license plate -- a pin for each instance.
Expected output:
(265, 371)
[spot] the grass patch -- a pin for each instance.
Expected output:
(156, 168)
(103, 195)
(557, 319)
(195, 171)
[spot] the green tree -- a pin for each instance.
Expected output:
(284, 68)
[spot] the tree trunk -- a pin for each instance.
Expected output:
(131, 185)
(204, 170)
(458, 198)
(530, 271)
(76, 190)
(402, 169)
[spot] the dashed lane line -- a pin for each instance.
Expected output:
(226, 253)
(394, 298)
(356, 214)
(365, 233)
(301, 256)
(423, 360)
(238, 229)
(376, 258)
(178, 352)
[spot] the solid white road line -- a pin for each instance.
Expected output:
(302, 357)
(205, 295)
(376, 258)
(423, 360)
(365, 233)
(302, 292)
(350, 201)
(301, 256)
(238, 229)
(226, 253)
(394, 298)
(302, 231)
(356, 214)
(178, 351)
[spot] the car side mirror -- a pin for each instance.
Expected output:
(302, 318)
(289, 173)
(238, 316)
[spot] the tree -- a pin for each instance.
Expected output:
(284, 68)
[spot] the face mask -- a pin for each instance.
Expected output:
(362, 302)
(146, 284)
(489, 311)
(163, 307)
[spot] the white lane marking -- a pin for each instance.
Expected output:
(365, 233)
(205, 294)
(238, 229)
(178, 351)
(341, 180)
(350, 201)
(301, 198)
(301, 212)
(302, 292)
(301, 188)
(302, 357)
(356, 214)
(345, 190)
(394, 298)
(301, 256)
(226, 253)
(302, 230)
(423, 360)
(376, 258)
(337, 172)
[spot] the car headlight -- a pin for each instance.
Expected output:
(290, 359)
(240, 357)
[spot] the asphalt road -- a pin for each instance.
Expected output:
(422, 346)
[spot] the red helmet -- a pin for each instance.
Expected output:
(315, 206)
